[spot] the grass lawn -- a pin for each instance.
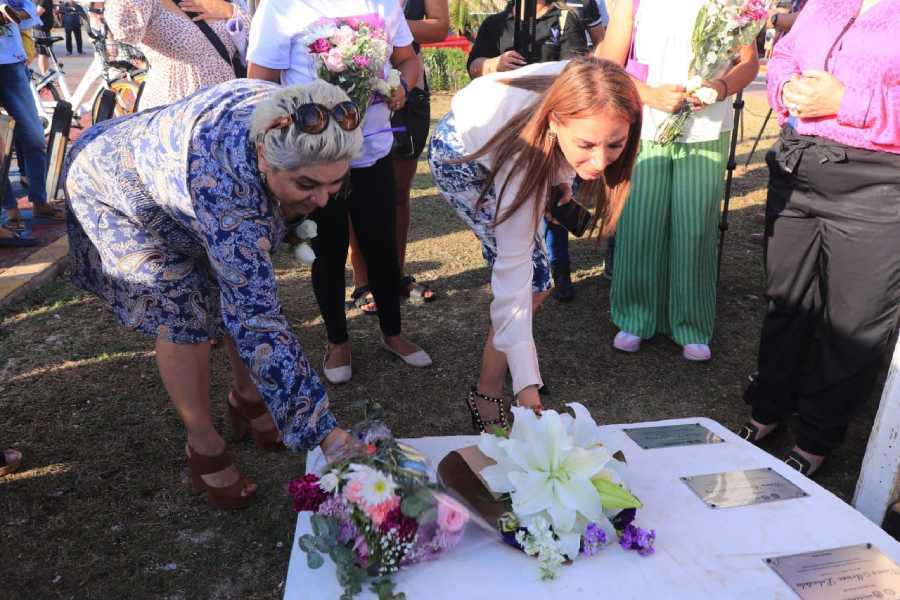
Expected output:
(100, 508)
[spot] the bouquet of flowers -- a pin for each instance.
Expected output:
(300, 241)
(560, 491)
(351, 53)
(376, 512)
(721, 29)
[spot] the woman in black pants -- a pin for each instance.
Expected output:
(277, 52)
(832, 223)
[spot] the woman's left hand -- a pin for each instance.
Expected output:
(397, 99)
(815, 94)
(208, 10)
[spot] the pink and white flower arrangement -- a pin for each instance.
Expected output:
(351, 53)
(721, 29)
(374, 513)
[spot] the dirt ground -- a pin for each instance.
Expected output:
(101, 510)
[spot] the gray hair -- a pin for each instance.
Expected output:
(289, 147)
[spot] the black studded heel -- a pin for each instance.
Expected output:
(480, 425)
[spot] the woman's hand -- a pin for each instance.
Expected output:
(667, 98)
(509, 61)
(339, 444)
(208, 10)
(814, 94)
(529, 397)
(397, 99)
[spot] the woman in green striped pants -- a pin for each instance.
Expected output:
(665, 277)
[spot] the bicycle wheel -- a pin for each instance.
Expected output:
(125, 95)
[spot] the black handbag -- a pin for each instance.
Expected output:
(240, 69)
(415, 119)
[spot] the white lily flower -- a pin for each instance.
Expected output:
(329, 482)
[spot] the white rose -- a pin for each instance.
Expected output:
(304, 253)
(707, 95)
(382, 87)
(306, 230)
(693, 84)
(393, 79)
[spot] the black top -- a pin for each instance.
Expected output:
(590, 14)
(47, 19)
(495, 36)
(414, 10)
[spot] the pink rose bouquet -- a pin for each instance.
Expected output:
(376, 512)
(352, 53)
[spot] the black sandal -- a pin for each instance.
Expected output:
(750, 432)
(797, 461)
(480, 425)
(361, 297)
(415, 291)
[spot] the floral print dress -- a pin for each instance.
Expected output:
(171, 228)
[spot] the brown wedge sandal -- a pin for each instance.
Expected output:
(242, 413)
(230, 497)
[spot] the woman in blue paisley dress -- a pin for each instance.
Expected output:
(174, 215)
(508, 139)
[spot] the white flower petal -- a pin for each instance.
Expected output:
(570, 544)
(563, 518)
(581, 495)
(532, 493)
(584, 431)
(497, 479)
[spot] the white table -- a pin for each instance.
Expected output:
(700, 552)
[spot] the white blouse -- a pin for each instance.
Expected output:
(481, 109)
(663, 42)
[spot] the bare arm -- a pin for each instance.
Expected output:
(255, 71)
(617, 42)
(741, 74)
(435, 25)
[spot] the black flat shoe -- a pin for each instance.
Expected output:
(797, 461)
(750, 432)
(562, 281)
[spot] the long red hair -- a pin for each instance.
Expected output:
(585, 87)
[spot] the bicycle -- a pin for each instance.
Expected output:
(117, 67)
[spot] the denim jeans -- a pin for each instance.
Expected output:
(557, 238)
(16, 99)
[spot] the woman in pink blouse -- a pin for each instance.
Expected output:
(182, 59)
(832, 223)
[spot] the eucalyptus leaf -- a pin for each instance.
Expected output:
(320, 525)
(307, 542)
(314, 560)
(412, 506)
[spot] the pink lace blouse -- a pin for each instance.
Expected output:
(181, 59)
(863, 53)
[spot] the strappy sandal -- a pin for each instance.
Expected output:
(363, 299)
(230, 497)
(797, 461)
(15, 223)
(479, 424)
(7, 466)
(242, 412)
(53, 214)
(416, 292)
(750, 432)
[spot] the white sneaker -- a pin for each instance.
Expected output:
(419, 358)
(627, 342)
(337, 375)
(696, 352)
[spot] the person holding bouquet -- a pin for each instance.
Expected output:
(283, 37)
(174, 215)
(511, 142)
(832, 223)
(665, 281)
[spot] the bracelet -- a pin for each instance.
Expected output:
(724, 85)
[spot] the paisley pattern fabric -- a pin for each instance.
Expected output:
(461, 185)
(171, 228)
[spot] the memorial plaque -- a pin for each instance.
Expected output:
(742, 488)
(668, 436)
(852, 572)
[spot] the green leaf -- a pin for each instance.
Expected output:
(614, 497)
(324, 544)
(341, 554)
(314, 560)
(428, 515)
(499, 432)
(412, 506)
(321, 526)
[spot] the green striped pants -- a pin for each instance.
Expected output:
(665, 263)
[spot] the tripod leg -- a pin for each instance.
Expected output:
(758, 137)
(729, 177)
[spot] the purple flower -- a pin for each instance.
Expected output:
(635, 538)
(593, 539)
(361, 548)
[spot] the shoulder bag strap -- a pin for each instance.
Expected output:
(214, 39)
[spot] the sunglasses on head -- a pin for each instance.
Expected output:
(314, 118)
